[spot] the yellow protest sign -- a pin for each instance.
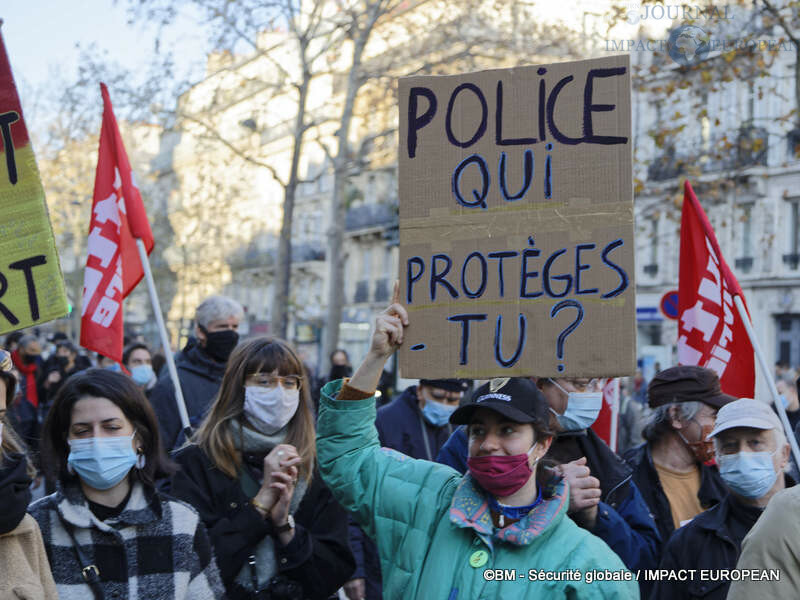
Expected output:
(31, 285)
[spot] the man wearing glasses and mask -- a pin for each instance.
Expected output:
(603, 496)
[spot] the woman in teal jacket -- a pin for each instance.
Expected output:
(442, 536)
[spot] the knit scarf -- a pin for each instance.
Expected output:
(29, 370)
(255, 442)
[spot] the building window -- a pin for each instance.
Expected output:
(362, 287)
(745, 262)
(792, 257)
(787, 339)
(651, 268)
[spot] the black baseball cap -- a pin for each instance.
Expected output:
(516, 398)
(451, 385)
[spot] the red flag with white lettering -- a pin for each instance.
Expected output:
(606, 424)
(710, 331)
(113, 267)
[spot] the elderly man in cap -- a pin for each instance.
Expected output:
(752, 452)
(674, 468)
(415, 423)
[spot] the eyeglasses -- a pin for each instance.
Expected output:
(287, 382)
(442, 396)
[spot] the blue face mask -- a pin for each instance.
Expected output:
(142, 374)
(749, 474)
(102, 462)
(436, 413)
(582, 409)
(114, 367)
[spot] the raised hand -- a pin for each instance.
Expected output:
(387, 337)
(389, 327)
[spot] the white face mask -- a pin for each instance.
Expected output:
(582, 409)
(270, 408)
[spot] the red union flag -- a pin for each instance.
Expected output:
(710, 331)
(604, 426)
(113, 267)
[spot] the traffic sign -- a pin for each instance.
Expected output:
(669, 304)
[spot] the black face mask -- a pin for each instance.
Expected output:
(14, 491)
(220, 344)
(340, 372)
(29, 358)
(62, 361)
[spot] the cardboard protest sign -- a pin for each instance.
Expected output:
(31, 285)
(516, 222)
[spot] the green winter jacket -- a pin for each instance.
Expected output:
(433, 527)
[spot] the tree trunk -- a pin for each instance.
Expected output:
(335, 255)
(283, 264)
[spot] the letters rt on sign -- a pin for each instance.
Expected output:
(516, 222)
(31, 284)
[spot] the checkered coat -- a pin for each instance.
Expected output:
(156, 549)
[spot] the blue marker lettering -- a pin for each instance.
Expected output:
(437, 277)
(498, 342)
(581, 267)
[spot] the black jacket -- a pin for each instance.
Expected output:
(15, 492)
(401, 427)
(712, 489)
(200, 377)
(623, 520)
(709, 543)
(318, 558)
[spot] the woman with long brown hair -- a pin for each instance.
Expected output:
(250, 470)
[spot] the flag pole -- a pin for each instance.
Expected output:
(614, 416)
(769, 377)
(162, 330)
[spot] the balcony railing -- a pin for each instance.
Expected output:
(746, 147)
(368, 216)
(791, 260)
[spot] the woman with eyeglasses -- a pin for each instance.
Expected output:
(24, 569)
(109, 533)
(250, 470)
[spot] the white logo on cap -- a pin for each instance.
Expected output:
(503, 397)
(498, 382)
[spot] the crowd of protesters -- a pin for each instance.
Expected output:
(288, 486)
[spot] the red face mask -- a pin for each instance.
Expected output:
(501, 476)
(702, 449)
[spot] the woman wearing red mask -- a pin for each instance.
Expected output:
(500, 531)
